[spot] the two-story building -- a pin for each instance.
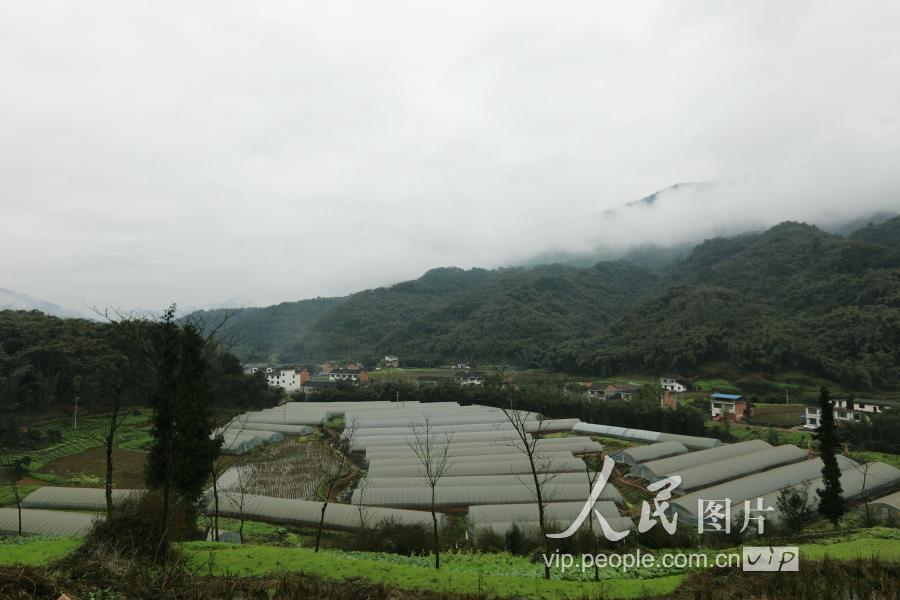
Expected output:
(290, 379)
(852, 410)
(731, 407)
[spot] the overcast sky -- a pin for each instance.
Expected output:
(195, 151)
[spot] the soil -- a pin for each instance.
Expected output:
(128, 466)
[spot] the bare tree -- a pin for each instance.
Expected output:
(332, 473)
(540, 463)
(592, 477)
(432, 448)
(12, 468)
(363, 487)
(864, 492)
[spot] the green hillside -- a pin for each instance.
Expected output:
(506, 315)
(791, 298)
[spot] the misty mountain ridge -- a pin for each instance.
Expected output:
(12, 300)
(660, 254)
(793, 297)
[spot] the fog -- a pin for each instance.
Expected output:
(153, 152)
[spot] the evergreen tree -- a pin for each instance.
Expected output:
(831, 502)
(182, 453)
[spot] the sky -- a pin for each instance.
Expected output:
(196, 152)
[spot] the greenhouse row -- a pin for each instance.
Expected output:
(642, 435)
(642, 454)
(553, 511)
(659, 469)
(70, 498)
(307, 513)
(457, 497)
(581, 477)
(757, 485)
(37, 521)
(532, 426)
(380, 465)
(575, 445)
(703, 476)
(501, 465)
(532, 529)
(868, 479)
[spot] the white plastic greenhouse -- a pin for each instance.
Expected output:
(69, 498)
(553, 511)
(575, 445)
(473, 480)
(307, 513)
(703, 476)
(871, 479)
(46, 522)
(755, 486)
(454, 497)
(643, 435)
(657, 469)
(379, 465)
(493, 467)
(641, 454)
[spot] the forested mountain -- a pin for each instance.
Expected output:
(506, 315)
(790, 298)
(886, 234)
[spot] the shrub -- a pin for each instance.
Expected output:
(134, 529)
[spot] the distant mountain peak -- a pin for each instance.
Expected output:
(12, 300)
(700, 186)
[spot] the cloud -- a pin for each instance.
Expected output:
(152, 152)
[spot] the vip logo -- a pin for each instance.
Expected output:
(771, 558)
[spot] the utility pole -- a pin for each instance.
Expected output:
(75, 417)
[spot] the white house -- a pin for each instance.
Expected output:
(392, 361)
(855, 409)
(669, 384)
(467, 378)
(289, 379)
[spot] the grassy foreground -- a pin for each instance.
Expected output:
(491, 574)
(222, 559)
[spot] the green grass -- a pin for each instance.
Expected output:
(752, 432)
(881, 542)
(493, 574)
(714, 385)
(34, 551)
(868, 456)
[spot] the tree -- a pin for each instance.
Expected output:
(540, 465)
(332, 473)
(182, 452)
(831, 500)
(864, 492)
(432, 449)
(12, 469)
(794, 507)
